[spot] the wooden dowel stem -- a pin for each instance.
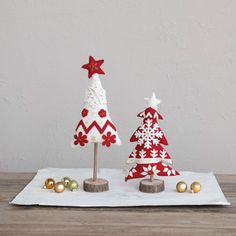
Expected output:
(151, 178)
(95, 154)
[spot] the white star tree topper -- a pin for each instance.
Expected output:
(153, 101)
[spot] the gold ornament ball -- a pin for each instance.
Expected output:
(181, 187)
(195, 187)
(73, 185)
(59, 187)
(49, 183)
(66, 181)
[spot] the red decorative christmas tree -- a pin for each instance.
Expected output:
(149, 155)
(95, 125)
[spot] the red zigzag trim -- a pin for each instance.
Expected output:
(95, 124)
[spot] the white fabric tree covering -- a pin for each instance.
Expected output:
(96, 125)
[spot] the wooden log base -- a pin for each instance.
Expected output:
(100, 185)
(154, 186)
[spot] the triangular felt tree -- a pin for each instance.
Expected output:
(149, 155)
(95, 125)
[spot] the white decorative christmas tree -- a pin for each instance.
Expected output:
(96, 125)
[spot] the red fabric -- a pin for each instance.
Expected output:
(80, 139)
(160, 116)
(95, 124)
(108, 139)
(163, 140)
(84, 112)
(142, 170)
(148, 151)
(152, 111)
(93, 67)
(102, 113)
(152, 114)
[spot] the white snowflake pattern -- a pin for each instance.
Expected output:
(142, 153)
(163, 154)
(153, 153)
(131, 172)
(150, 170)
(148, 115)
(148, 134)
(95, 95)
(134, 153)
(168, 171)
(132, 157)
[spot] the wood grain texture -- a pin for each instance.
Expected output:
(151, 185)
(99, 185)
(27, 220)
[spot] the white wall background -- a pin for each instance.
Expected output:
(185, 51)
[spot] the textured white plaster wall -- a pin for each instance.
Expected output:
(185, 51)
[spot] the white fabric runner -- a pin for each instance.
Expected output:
(121, 193)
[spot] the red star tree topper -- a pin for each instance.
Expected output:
(95, 125)
(93, 67)
(149, 155)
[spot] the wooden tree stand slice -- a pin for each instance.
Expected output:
(100, 185)
(154, 186)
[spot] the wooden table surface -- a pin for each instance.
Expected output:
(155, 221)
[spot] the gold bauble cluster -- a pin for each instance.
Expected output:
(59, 187)
(195, 187)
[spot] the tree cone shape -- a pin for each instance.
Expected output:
(154, 186)
(100, 185)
